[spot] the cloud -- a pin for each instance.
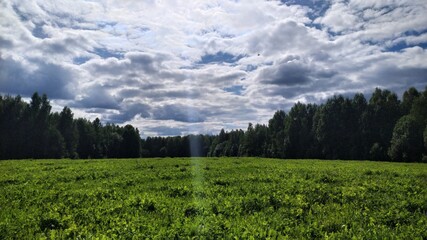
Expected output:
(219, 57)
(179, 112)
(339, 17)
(97, 97)
(18, 77)
(292, 71)
(129, 111)
(5, 43)
(207, 65)
(167, 131)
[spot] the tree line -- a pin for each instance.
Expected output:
(33, 131)
(382, 128)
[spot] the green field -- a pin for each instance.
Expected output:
(212, 198)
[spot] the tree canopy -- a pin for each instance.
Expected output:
(381, 128)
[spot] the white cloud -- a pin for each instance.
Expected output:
(177, 67)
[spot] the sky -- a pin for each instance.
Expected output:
(172, 67)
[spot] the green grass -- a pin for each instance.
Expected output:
(212, 198)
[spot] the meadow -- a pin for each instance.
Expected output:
(211, 198)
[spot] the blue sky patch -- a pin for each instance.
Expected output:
(38, 32)
(104, 53)
(403, 44)
(80, 60)
(318, 7)
(106, 24)
(236, 89)
(250, 68)
(219, 57)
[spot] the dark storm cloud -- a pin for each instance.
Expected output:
(130, 93)
(75, 48)
(129, 111)
(315, 87)
(397, 78)
(163, 94)
(293, 71)
(58, 47)
(179, 112)
(139, 62)
(157, 92)
(5, 43)
(109, 66)
(146, 62)
(219, 57)
(167, 131)
(54, 80)
(286, 74)
(97, 97)
(411, 75)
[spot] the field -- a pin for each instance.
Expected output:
(212, 198)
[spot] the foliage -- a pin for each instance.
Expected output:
(32, 131)
(407, 141)
(340, 128)
(212, 198)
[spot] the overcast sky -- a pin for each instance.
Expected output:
(173, 67)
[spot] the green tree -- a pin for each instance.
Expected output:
(379, 120)
(408, 99)
(358, 148)
(276, 127)
(407, 141)
(419, 108)
(87, 138)
(131, 145)
(99, 145)
(13, 128)
(334, 128)
(425, 145)
(300, 140)
(40, 139)
(68, 130)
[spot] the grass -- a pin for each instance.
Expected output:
(212, 198)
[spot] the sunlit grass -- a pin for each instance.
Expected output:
(212, 198)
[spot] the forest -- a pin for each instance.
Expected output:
(383, 128)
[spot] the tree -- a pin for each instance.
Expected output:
(13, 128)
(408, 99)
(249, 144)
(276, 127)
(335, 128)
(39, 132)
(341, 128)
(68, 130)
(425, 145)
(419, 108)
(358, 147)
(379, 120)
(300, 141)
(112, 141)
(407, 141)
(55, 144)
(131, 145)
(87, 138)
(99, 146)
